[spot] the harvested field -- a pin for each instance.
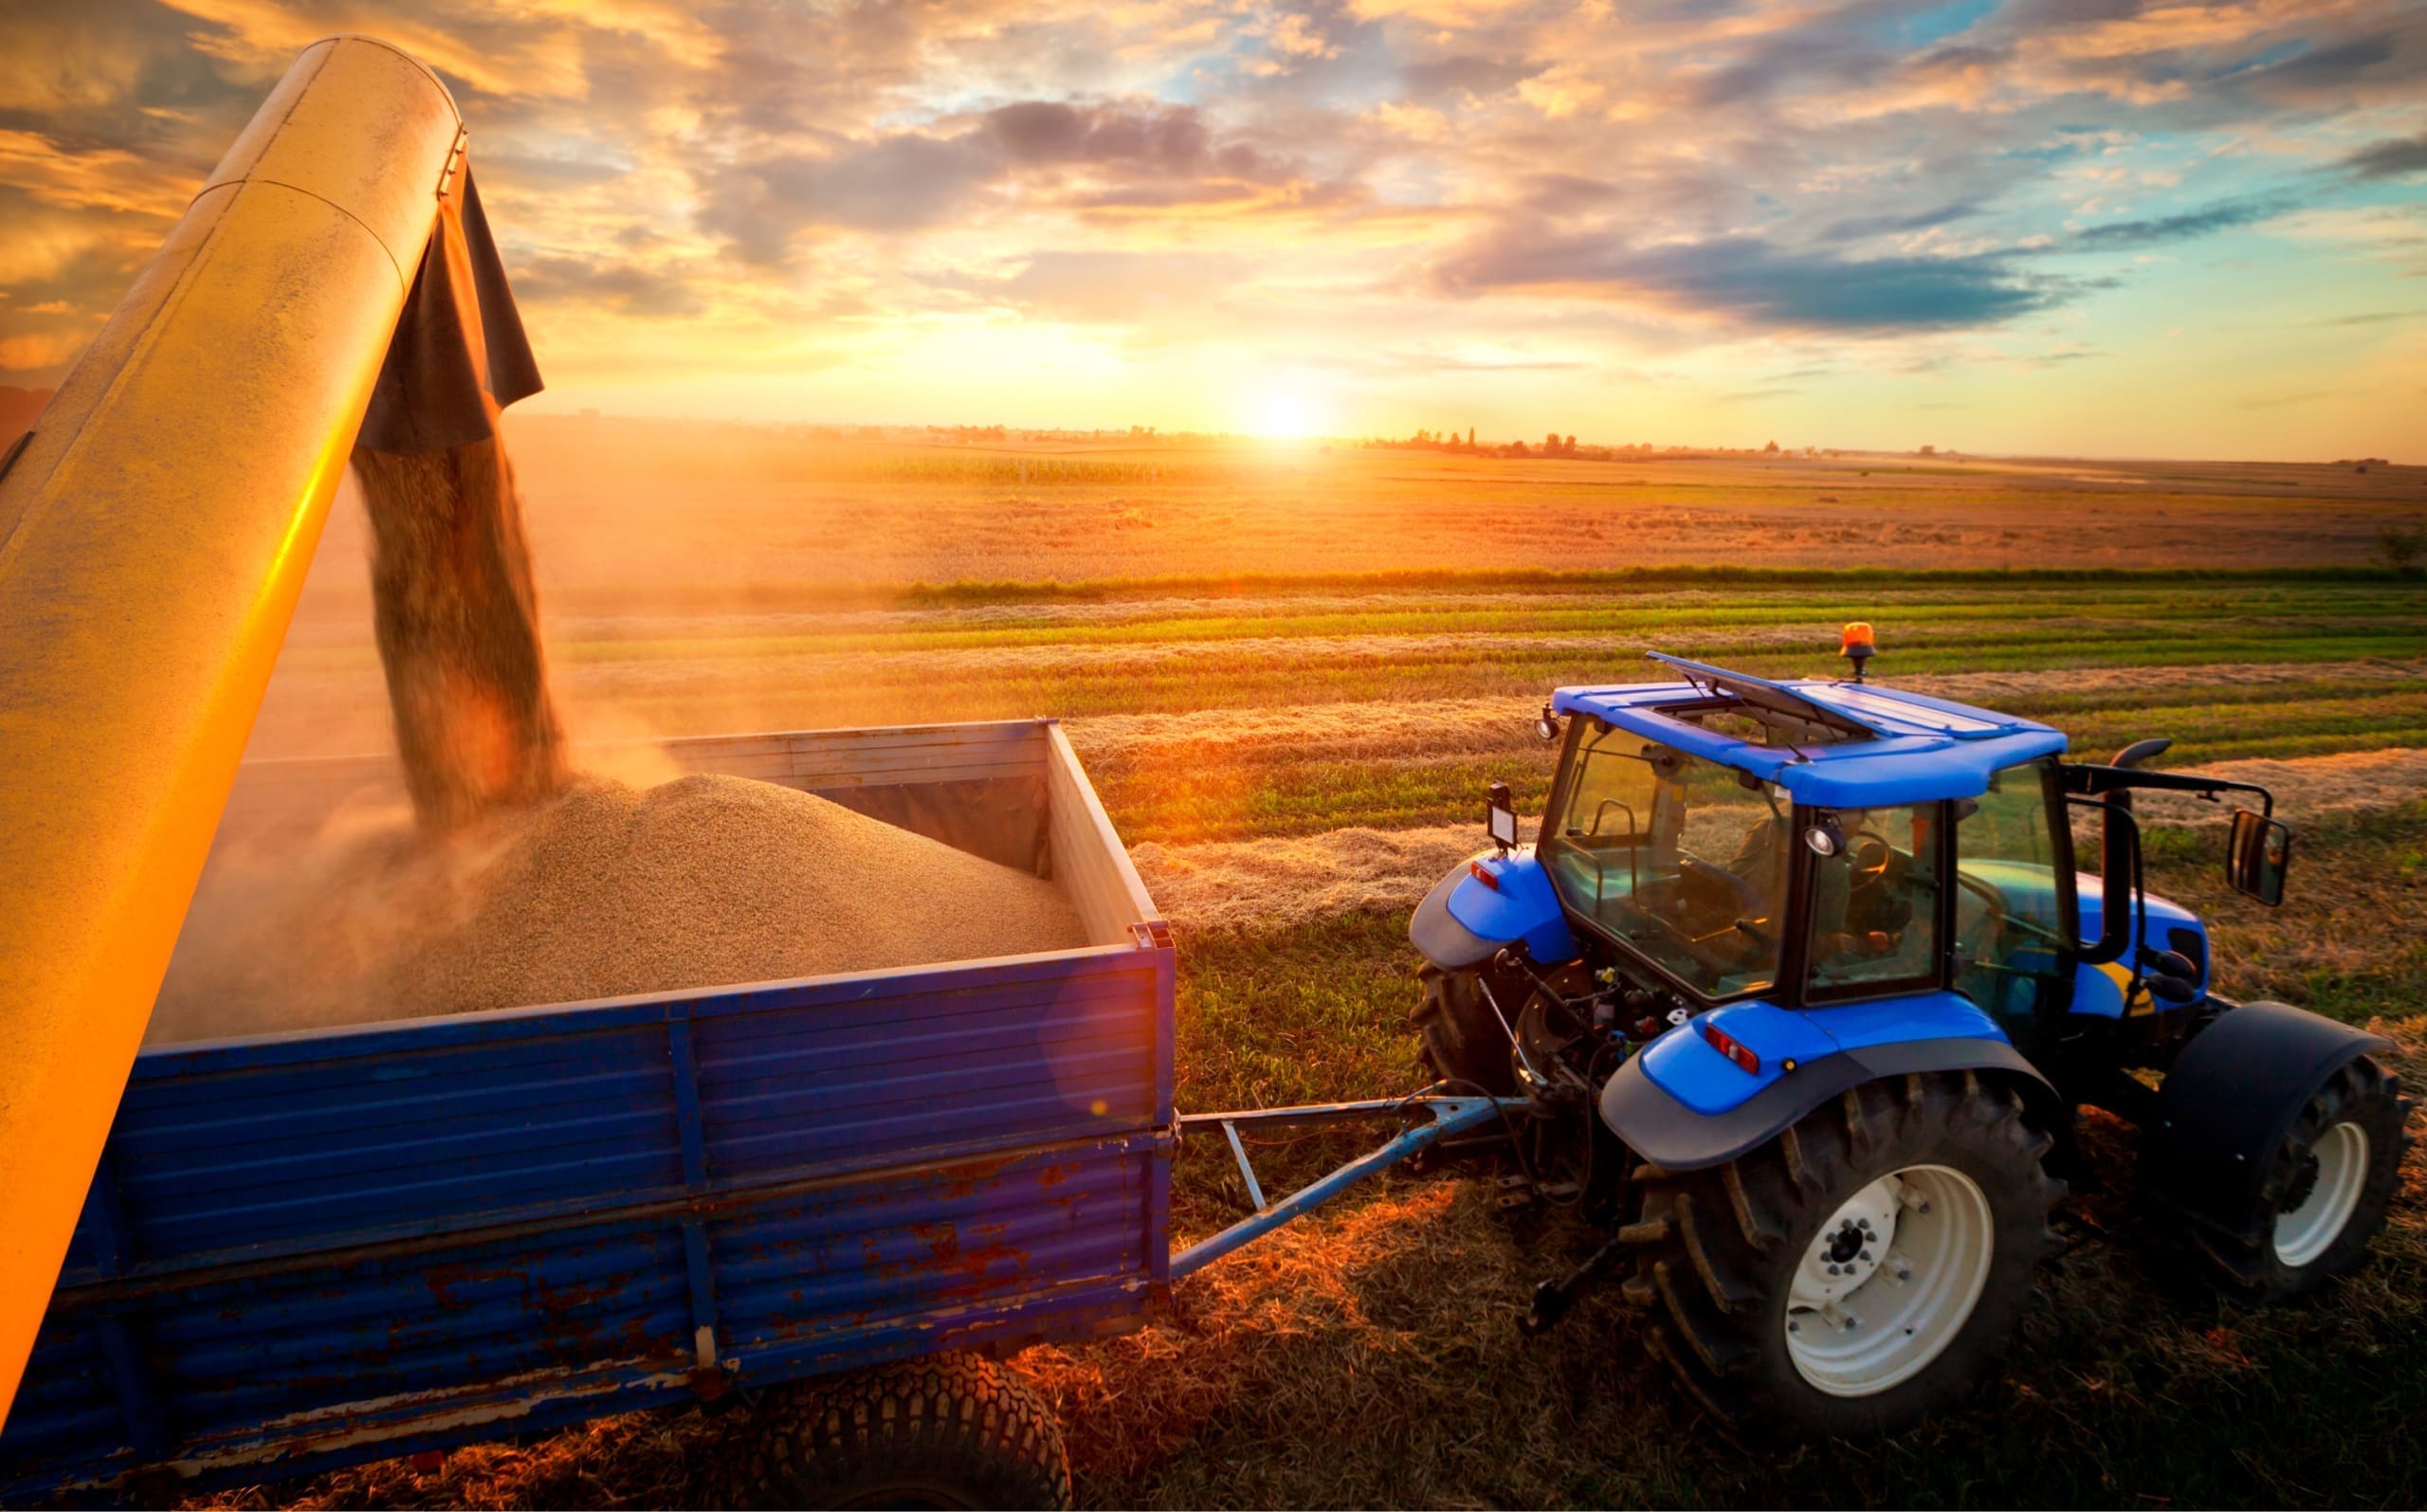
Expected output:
(606, 890)
(2286, 659)
(764, 504)
(1446, 726)
(1295, 759)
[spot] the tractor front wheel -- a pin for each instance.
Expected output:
(2324, 1192)
(1865, 1268)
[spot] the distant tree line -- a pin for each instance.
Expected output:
(1554, 446)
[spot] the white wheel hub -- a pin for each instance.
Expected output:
(2309, 1228)
(1890, 1281)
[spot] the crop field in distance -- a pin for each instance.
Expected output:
(1291, 672)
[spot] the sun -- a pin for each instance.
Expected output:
(1287, 411)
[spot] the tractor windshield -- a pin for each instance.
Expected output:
(1682, 859)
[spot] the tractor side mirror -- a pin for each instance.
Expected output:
(2257, 857)
(1499, 814)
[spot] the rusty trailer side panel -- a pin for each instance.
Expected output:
(312, 1248)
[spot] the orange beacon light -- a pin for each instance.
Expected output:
(1858, 647)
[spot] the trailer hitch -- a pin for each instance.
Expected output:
(1553, 1299)
(1432, 1119)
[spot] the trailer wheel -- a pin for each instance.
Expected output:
(2325, 1191)
(1865, 1268)
(948, 1430)
(1460, 1038)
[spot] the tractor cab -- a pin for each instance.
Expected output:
(1719, 837)
(1792, 841)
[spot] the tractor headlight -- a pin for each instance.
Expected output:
(1824, 838)
(1547, 725)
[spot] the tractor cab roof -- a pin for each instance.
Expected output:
(1830, 744)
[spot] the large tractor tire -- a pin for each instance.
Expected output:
(2325, 1191)
(949, 1431)
(1865, 1268)
(1460, 1037)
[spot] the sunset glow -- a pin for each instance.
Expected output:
(1288, 410)
(2117, 228)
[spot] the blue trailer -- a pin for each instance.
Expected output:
(313, 1249)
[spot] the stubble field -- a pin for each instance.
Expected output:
(1290, 677)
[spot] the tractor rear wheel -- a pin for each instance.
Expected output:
(1865, 1268)
(948, 1430)
(1460, 1038)
(2325, 1191)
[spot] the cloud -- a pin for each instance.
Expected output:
(625, 287)
(1589, 185)
(893, 184)
(2393, 158)
(1462, 73)
(1746, 279)
(1125, 155)
(2178, 228)
(1861, 227)
(1118, 288)
(2376, 317)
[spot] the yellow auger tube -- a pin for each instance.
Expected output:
(153, 536)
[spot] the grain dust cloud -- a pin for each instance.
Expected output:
(512, 877)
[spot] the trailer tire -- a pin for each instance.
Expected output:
(1733, 1257)
(1459, 1038)
(2356, 1119)
(947, 1431)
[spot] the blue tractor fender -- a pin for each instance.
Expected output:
(1467, 919)
(2230, 1097)
(1683, 1104)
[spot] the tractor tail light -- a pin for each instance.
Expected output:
(1476, 870)
(1745, 1060)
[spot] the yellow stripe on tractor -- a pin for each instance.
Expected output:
(154, 534)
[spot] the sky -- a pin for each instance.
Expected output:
(2102, 228)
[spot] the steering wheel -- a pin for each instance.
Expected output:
(1868, 873)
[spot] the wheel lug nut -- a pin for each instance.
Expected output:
(1865, 1254)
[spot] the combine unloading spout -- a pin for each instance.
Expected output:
(155, 532)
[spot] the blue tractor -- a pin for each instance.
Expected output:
(1801, 990)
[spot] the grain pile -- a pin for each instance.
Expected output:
(606, 889)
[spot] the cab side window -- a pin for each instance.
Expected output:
(1874, 903)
